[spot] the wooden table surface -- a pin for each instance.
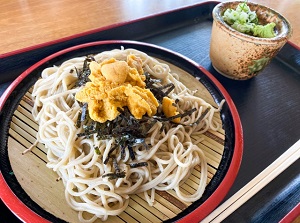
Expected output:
(26, 23)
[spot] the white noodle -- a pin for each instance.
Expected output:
(171, 156)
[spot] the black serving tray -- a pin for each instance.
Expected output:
(269, 104)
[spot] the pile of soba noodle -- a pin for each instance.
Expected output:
(171, 154)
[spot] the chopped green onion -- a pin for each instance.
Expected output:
(245, 21)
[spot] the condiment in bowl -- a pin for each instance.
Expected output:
(245, 37)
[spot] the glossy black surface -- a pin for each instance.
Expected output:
(269, 104)
(268, 205)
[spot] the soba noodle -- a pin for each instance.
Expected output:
(171, 156)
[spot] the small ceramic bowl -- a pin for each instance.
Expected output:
(240, 56)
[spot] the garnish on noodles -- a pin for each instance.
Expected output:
(122, 124)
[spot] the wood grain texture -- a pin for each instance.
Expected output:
(27, 23)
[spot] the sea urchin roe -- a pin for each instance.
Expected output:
(116, 84)
(169, 109)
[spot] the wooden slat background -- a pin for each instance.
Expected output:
(41, 185)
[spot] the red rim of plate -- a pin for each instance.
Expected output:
(27, 215)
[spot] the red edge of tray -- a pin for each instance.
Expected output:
(292, 215)
(27, 215)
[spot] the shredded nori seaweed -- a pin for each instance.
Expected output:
(201, 116)
(140, 164)
(118, 173)
(158, 92)
(83, 74)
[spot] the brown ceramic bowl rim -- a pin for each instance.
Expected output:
(284, 34)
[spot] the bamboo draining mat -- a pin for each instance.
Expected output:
(41, 184)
